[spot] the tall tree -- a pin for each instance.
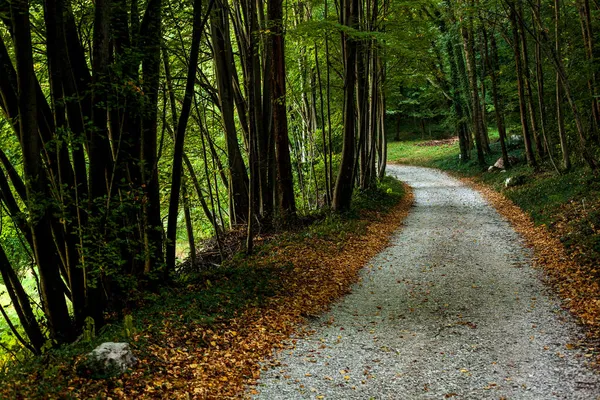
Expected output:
(199, 21)
(285, 183)
(344, 184)
(566, 158)
(516, 45)
(469, 49)
(224, 69)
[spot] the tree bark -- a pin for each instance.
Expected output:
(152, 222)
(224, 72)
(55, 306)
(285, 183)
(199, 23)
(498, 103)
(344, 185)
(521, 85)
(560, 120)
(527, 81)
(469, 48)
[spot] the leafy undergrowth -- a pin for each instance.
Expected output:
(558, 215)
(206, 338)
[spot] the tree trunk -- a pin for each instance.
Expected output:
(521, 86)
(456, 92)
(527, 82)
(199, 22)
(498, 103)
(584, 150)
(52, 295)
(560, 120)
(539, 71)
(285, 182)
(224, 72)
(152, 223)
(20, 302)
(344, 185)
(469, 48)
(585, 16)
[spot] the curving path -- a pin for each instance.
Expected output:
(452, 309)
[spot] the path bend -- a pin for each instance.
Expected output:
(451, 309)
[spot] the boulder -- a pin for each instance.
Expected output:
(514, 181)
(500, 162)
(515, 141)
(107, 360)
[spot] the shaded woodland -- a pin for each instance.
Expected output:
(131, 130)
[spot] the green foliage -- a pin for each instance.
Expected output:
(89, 330)
(382, 197)
(410, 153)
(7, 338)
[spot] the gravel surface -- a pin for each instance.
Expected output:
(452, 309)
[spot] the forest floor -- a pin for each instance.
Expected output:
(452, 309)
(204, 336)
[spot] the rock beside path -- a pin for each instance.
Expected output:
(108, 359)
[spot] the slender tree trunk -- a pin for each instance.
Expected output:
(253, 92)
(585, 16)
(521, 86)
(325, 147)
(152, 223)
(21, 304)
(344, 185)
(539, 70)
(498, 103)
(527, 81)
(584, 150)
(189, 227)
(223, 69)
(456, 93)
(562, 135)
(469, 48)
(285, 183)
(199, 23)
(328, 95)
(52, 295)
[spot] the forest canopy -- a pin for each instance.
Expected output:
(131, 128)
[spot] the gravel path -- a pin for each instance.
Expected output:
(452, 309)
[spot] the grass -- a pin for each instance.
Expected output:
(408, 152)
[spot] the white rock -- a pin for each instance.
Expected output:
(111, 356)
(500, 162)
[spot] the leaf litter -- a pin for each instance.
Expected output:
(191, 360)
